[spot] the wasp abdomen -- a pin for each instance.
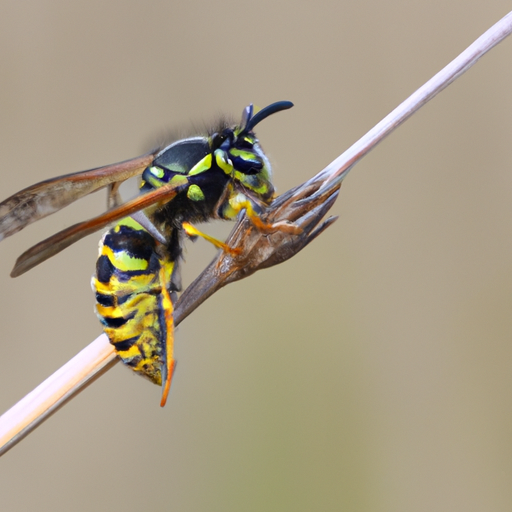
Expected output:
(131, 282)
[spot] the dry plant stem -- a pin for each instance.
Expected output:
(55, 391)
(339, 168)
(304, 205)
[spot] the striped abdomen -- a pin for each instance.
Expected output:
(133, 302)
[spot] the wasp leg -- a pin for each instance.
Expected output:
(260, 225)
(191, 230)
(264, 227)
(113, 195)
(169, 362)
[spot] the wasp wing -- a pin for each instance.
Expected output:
(56, 243)
(44, 198)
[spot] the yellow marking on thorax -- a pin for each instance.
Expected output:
(194, 193)
(178, 180)
(201, 166)
(157, 171)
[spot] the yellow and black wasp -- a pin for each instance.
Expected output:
(212, 176)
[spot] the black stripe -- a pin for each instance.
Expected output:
(105, 300)
(104, 269)
(126, 344)
(109, 301)
(115, 323)
(123, 298)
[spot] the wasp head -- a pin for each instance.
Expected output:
(239, 154)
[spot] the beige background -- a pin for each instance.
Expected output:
(372, 372)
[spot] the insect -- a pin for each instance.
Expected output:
(137, 272)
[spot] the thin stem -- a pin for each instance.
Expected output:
(339, 168)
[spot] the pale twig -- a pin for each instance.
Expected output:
(305, 206)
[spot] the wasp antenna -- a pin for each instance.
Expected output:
(267, 111)
(246, 116)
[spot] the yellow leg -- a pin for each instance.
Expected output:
(285, 226)
(193, 231)
(169, 361)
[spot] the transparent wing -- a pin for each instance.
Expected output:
(47, 197)
(56, 243)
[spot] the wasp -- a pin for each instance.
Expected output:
(212, 176)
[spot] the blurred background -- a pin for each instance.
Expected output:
(370, 373)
